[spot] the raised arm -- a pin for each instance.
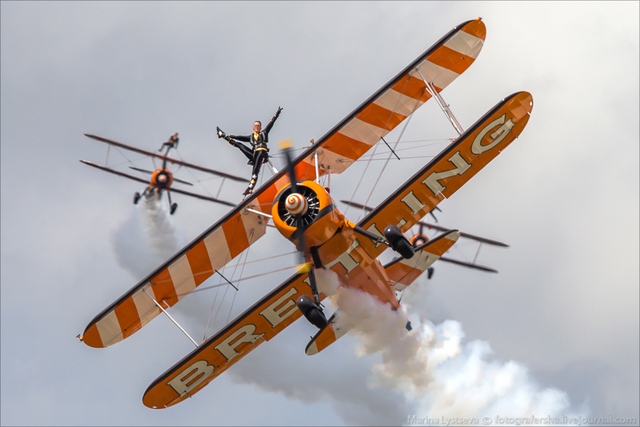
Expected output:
(272, 121)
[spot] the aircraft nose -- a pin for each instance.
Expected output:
(296, 204)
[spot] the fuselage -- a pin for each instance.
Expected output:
(332, 242)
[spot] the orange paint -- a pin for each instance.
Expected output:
(236, 235)
(163, 288)
(380, 117)
(200, 263)
(128, 318)
(476, 28)
(412, 87)
(347, 147)
(450, 59)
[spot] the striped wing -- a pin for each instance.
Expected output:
(176, 278)
(384, 110)
(404, 94)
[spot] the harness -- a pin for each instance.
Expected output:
(259, 142)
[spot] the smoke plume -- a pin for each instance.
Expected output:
(146, 239)
(430, 370)
(439, 373)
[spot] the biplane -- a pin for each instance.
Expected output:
(161, 179)
(301, 208)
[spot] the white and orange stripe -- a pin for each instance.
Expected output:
(171, 282)
(440, 65)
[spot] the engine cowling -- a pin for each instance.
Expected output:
(162, 178)
(319, 216)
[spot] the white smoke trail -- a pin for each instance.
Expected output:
(146, 239)
(437, 372)
(431, 367)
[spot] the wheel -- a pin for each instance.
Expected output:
(173, 208)
(136, 198)
(311, 311)
(404, 248)
(398, 241)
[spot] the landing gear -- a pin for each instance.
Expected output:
(136, 198)
(398, 241)
(312, 311)
(172, 206)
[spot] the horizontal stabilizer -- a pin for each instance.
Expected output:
(404, 272)
(325, 337)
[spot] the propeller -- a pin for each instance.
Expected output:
(151, 172)
(297, 205)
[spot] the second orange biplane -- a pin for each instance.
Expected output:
(305, 214)
(161, 179)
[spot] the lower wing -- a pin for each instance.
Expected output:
(264, 320)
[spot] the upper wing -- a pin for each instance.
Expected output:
(175, 278)
(441, 64)
(169, 159)
(399, 98)
(258, 324)
(451, 169)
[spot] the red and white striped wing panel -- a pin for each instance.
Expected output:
(176, 278)
(397, 100)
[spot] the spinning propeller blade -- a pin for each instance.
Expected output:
(297, 206)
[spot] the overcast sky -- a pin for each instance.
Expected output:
(563, 310)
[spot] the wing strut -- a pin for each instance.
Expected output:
(273, 168)
(387, 144)
(170, 318)
(443, 105)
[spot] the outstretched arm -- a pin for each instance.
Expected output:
(272, 121)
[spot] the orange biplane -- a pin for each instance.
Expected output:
(161, 178)
(303, 211)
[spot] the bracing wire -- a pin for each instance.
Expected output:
(386, 163)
